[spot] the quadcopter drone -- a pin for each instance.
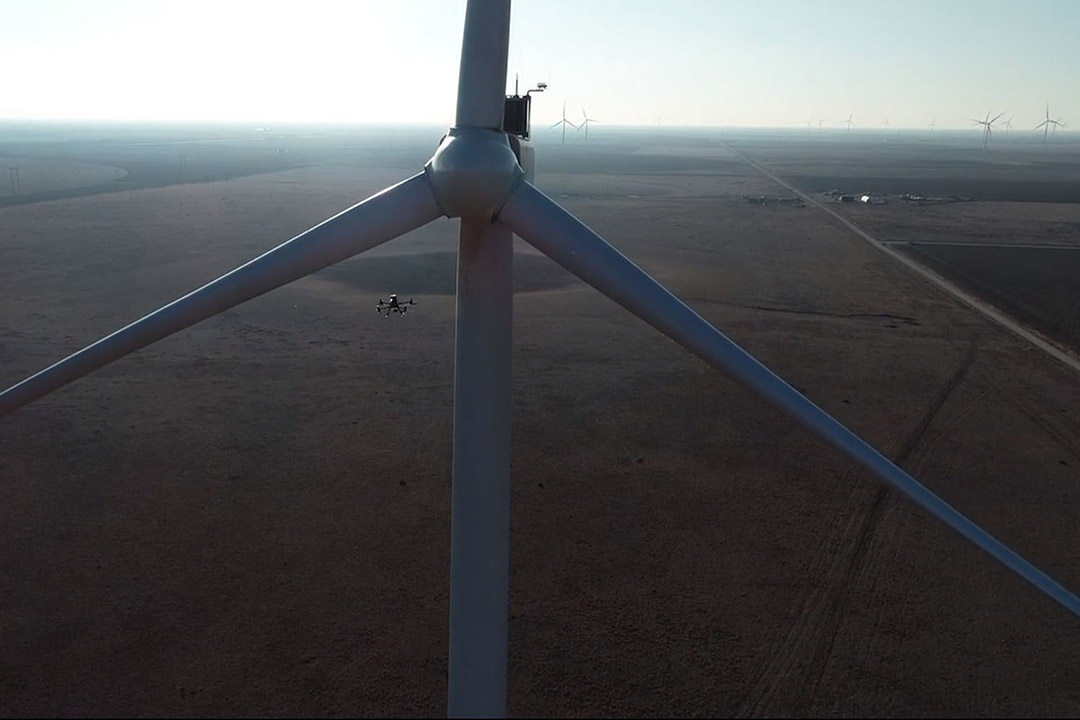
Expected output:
(393, 305)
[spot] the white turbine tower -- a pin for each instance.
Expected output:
(849, 122)
(988, 126)
(564, 122)
(475, 175)
(933, 124)
(886, 124)
(584, 123)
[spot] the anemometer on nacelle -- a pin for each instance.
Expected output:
(516, 113)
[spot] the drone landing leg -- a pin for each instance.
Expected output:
(480, 501)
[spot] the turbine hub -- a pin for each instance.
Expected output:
(472, 172)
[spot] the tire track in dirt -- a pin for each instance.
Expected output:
(1063, 438)
(902, 319)
(789, 680)
(883, 497)
(898, 538)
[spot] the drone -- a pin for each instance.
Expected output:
(393, 305)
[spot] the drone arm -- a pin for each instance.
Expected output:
(542, 223)
(382, 217)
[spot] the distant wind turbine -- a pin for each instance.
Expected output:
(988, 125)
(933, 124)
(886, 130)
(1008, 126)
(585, 122)
(564, 122)
(1047, 124)
(849, 122)
(819, 121)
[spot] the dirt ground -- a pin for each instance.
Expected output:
(252, 517)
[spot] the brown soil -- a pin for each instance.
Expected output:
(252, 517)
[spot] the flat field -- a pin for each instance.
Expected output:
(252, 517)
(1014, 240)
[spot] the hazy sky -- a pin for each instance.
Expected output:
(695, 62)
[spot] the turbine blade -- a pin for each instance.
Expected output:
(996, 118)
(482, 72)
(556, 125)
(562, 237)
(393, 212)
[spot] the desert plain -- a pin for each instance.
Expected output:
(252, 517)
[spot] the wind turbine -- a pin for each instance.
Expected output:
(849, 122)
(933, 124)
(564, 122)
(819, 121)
(585, 122)
(886, 130)
(475, 175)
(988, 126)
(1047, 124)
(1008, 126)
